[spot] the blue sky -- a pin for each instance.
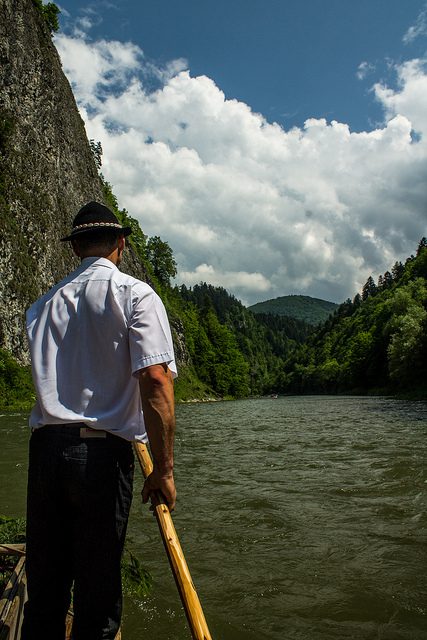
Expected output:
(288, 59)
(259, 137)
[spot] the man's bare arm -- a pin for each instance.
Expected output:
(156, 386)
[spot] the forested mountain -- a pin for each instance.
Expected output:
(314, 311)
(234, 351)
(378, 341)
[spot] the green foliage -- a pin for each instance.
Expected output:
(310, 310)
(12, 531)
(233, 350)
(369, 289)
(188, 386)
(155, 255)
(50, 13)
(16, 386)
(96, 149)
(136, 580)
(378, 341)
(161, 258)
(406, 330)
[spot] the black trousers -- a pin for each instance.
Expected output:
(79, 497)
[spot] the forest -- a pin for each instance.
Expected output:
(376, 342)
(311, 310)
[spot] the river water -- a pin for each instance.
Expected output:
(301, 518)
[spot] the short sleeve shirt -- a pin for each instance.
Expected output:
(89, 336)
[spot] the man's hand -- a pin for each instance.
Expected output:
(163, 483)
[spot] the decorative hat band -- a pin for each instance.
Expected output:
(97, 224)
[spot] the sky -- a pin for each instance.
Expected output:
(278, 146)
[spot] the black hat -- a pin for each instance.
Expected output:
(95, 217)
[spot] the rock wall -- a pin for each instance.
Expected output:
(47, 169)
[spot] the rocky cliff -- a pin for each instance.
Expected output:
(47, 169)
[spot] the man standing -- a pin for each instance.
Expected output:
(103, 368)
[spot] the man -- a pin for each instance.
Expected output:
(103, 368)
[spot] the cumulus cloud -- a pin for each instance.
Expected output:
(253, 282)
(244, 203)
(411, 96)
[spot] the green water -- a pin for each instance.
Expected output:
(301, 518)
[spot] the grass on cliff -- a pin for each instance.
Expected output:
(16, 385)
(189, 387)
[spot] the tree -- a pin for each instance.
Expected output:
(405, 343)
(406, 329)
(161, 257)
(96, 149)
(369, 289)
(421, 245)
(397, 271)
(387, 280)
(50, 13)
(357, 300)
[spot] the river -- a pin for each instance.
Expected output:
(301, 518)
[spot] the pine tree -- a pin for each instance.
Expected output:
(369, 289)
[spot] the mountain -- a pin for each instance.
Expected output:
(234, 351)
(47, 167)
(377, 342)
(311, 310)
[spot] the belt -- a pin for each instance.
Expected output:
(88, 432)
(76, 428)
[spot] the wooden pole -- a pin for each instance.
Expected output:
(190, 600)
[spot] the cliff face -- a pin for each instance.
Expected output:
(47, 169)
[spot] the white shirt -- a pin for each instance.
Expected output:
(89, 336)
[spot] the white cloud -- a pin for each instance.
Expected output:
(411, 96)
(417, 30)
(364, 69)
(244, 203)
(231, 280)
(94, 69)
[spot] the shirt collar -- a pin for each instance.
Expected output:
(102, 262)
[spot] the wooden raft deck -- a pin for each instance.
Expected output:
(14, 596)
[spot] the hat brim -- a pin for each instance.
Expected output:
(124, 231)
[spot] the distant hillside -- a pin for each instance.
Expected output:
(377, 342)
(311, 310)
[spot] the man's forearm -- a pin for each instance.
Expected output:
(158, 404)
(156, 385)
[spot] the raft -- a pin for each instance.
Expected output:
(14, 596)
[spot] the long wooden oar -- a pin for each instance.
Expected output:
(190, 599)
